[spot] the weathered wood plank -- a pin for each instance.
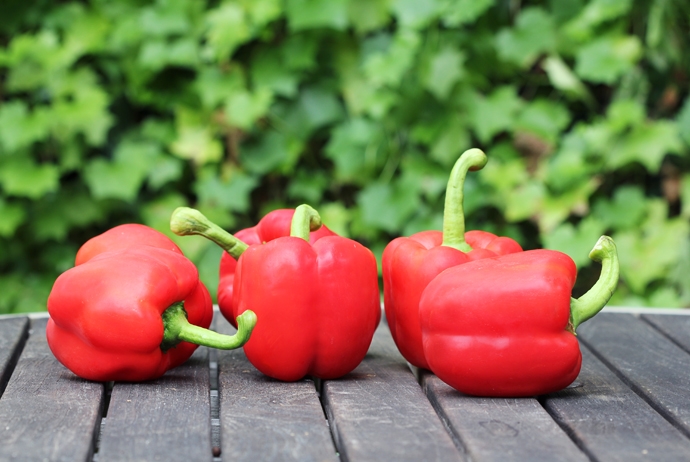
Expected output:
(264, 419)
(379, 411)
(46, 412)
(610, 421)
(168, 419)
(13, 335)
(500, 430)
(675, 327)
(647, 360)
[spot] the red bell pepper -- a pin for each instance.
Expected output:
(318, 304)
(132, 308)
(272, 226)
(410, 263)
(505, 326)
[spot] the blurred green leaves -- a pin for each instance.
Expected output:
(114, 112)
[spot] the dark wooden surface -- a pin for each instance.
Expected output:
(379, 412)
(146, 420)
(47, 413)
(631, 402)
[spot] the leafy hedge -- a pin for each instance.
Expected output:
(120, 111)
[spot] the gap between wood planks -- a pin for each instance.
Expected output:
(637, 390)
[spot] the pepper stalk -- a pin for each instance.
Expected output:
(176, 328)
(305, 220)
(453, 210)
(594, 300)
(186, 222)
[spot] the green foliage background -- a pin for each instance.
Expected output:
(120, 111)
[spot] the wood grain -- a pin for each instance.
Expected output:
(13, 335)
(379, 411)
(46, 412)
(649, 362)
(610, 421)
(267, 420)
(493, 429)
(168, 419)
(675, 327)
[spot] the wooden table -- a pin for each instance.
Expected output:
(630, 402)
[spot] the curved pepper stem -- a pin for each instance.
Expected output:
(185, 222)
(176, 328)
(453, 211)
(585, 307)
(305, 220)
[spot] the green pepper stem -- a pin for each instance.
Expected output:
(176, 328)
(453, 211)
(585, 307)
(185, 222)
(305, 220)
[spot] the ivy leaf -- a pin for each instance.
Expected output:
(156, 214)
(19, 128)
(368, 15)
(111, 180)
(606, 59)
(21, 176)
(388, 67)
(544, 118)
(451, 142)
(525, 201)
(123, 177)
(231, 194)
(272, 152)
(157, 54)
(213, 85)
(647, 253)
(569, 166)
(431, 179)
(445, 69)
(647, 144)
(459, 12)
(337, 217)
(167, 169)
(159, 21)
(564, 79)
(195, 140)
(624, 113)
(319, 107)
(493, 114)
(268, 70)
(311, 14)
(625, 211)
(348, 148)
(413, 13)
(299, 52)
(387, 206)
(595, 13)
(13, 215)
(683, 121)
(576, 242)
(243, 108)
(534, 33)
(227, 29)
(308, 186)
(262, 12)
(557, 207)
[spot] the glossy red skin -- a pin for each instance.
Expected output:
(410, 264)
(123, 237)
(105, 313)
(272, 226)
(317, 305)
(497, 327)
